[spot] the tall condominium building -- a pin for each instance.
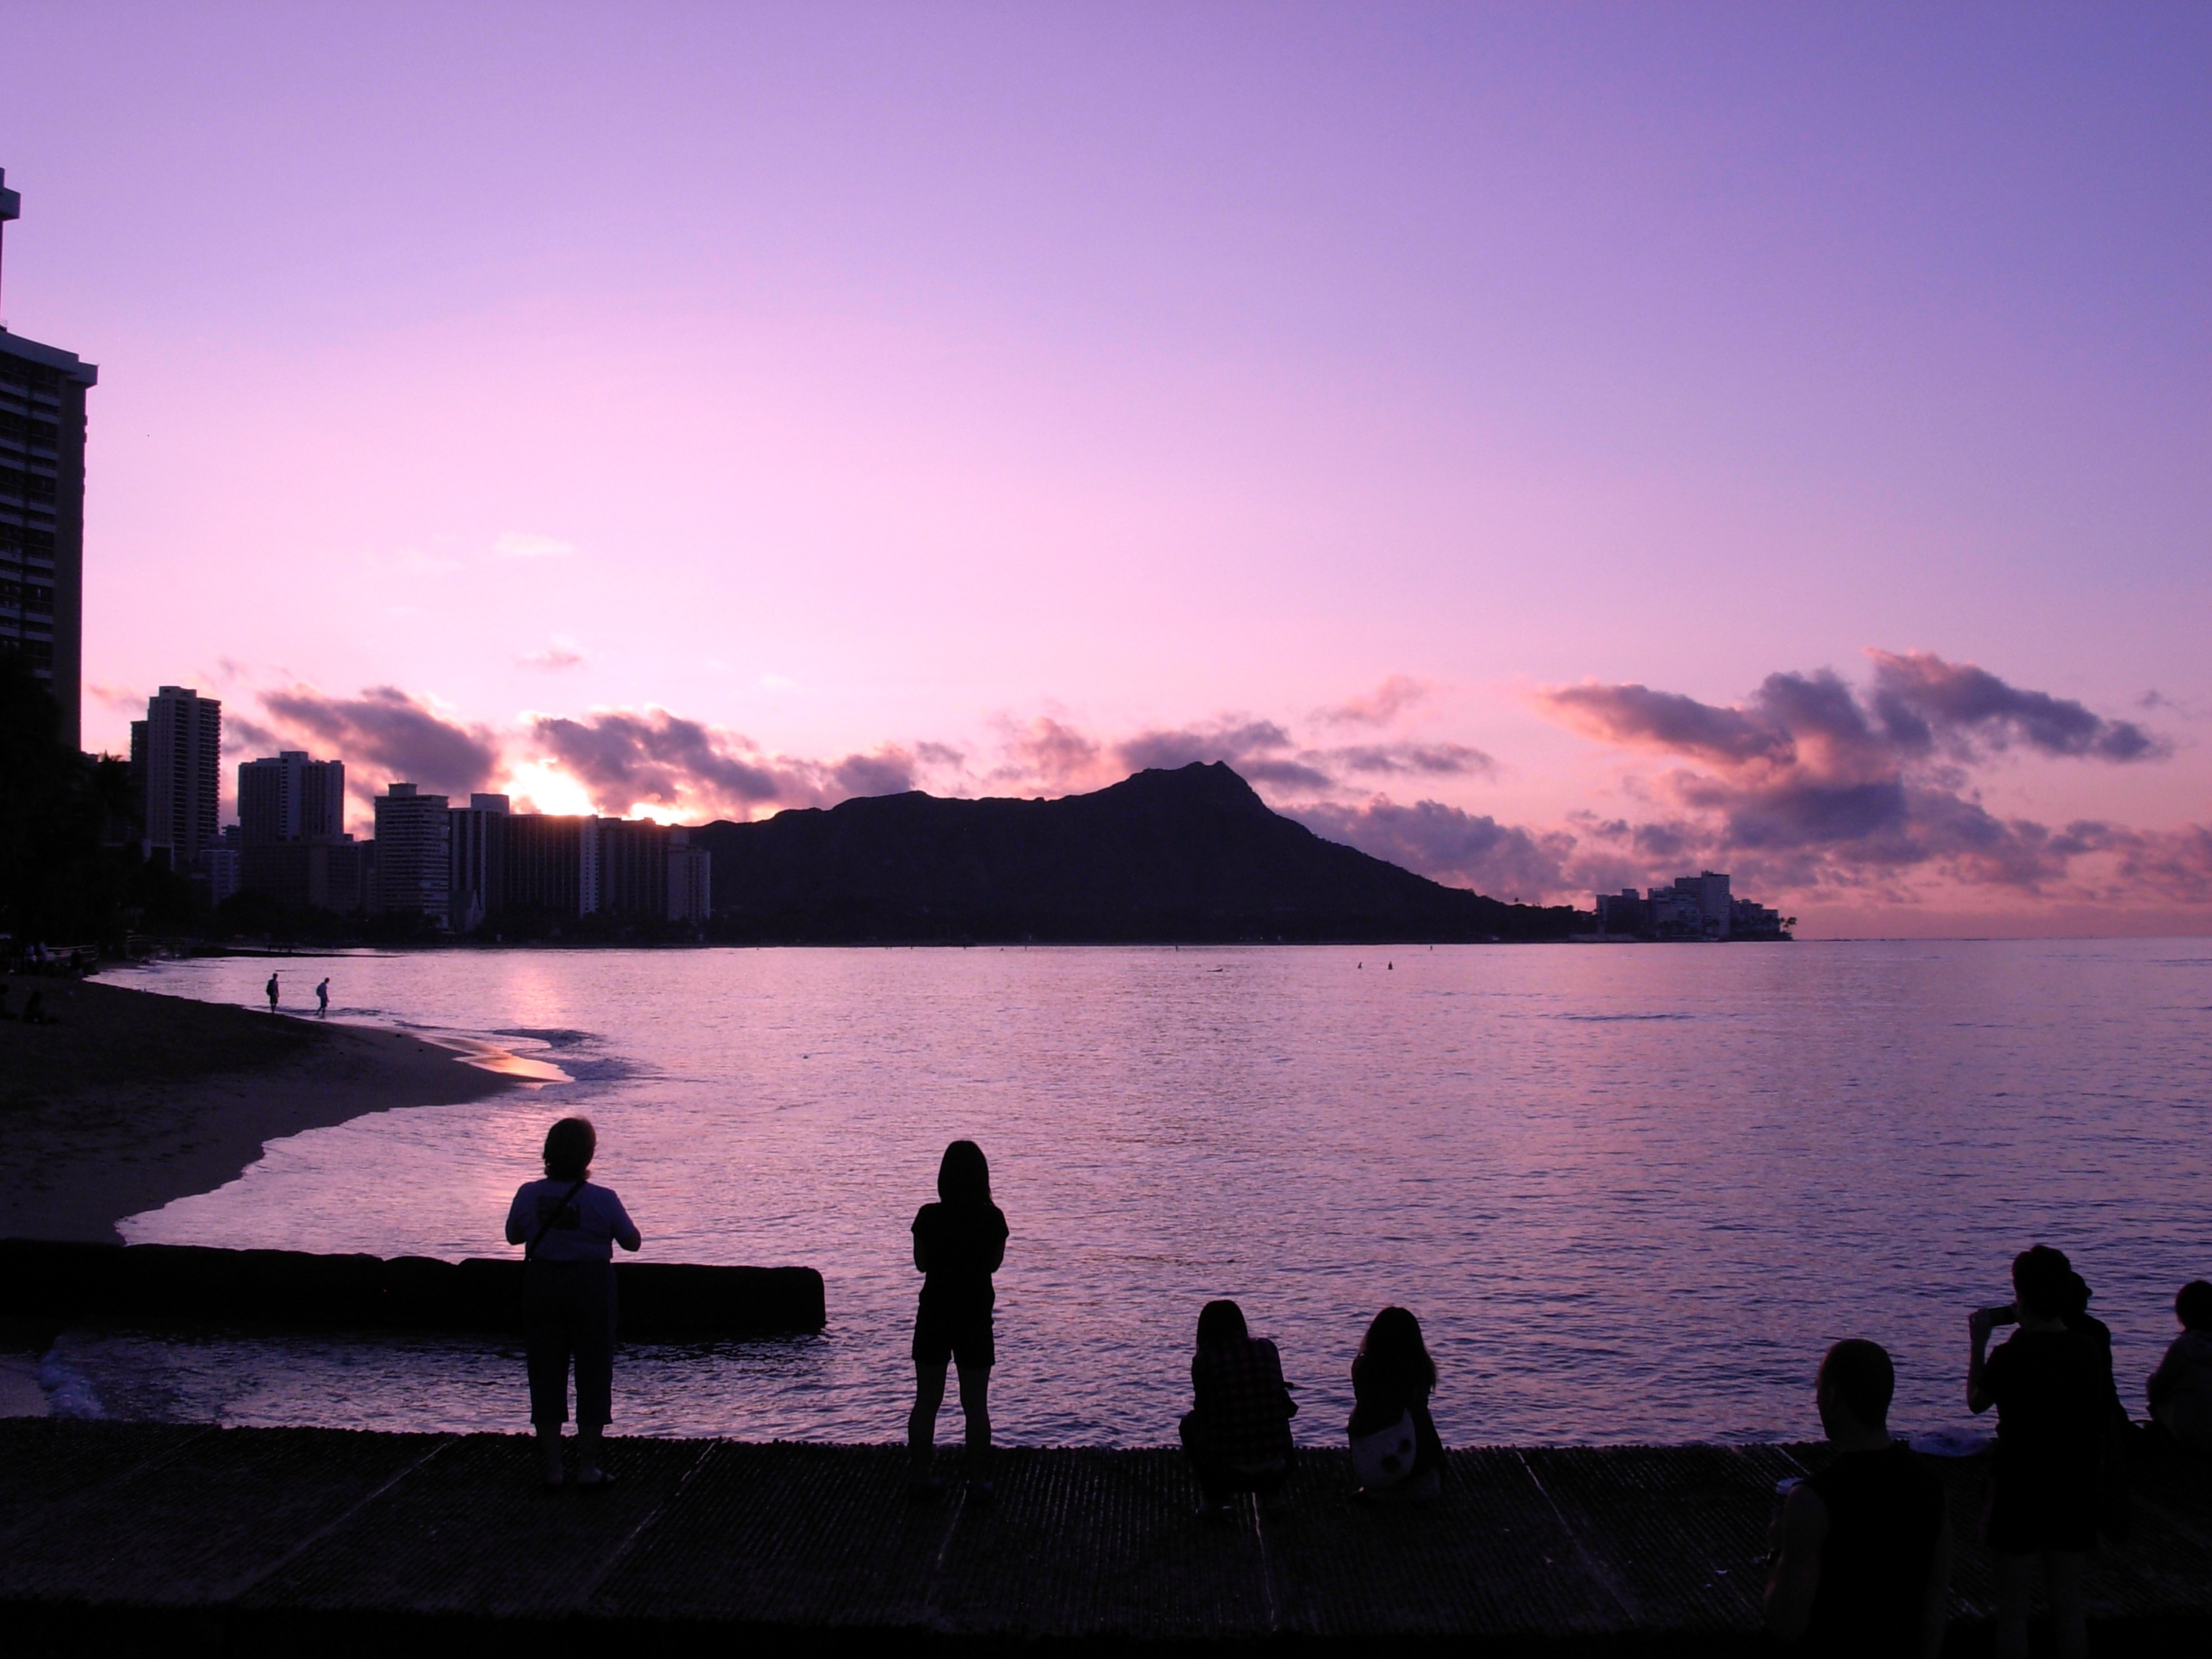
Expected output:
(538, 870)
(289, 797)
(42, 508)
(176, 759)
(478, 847)
(414, 874)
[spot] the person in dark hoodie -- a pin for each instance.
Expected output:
(1238, 1431)
(959, 1241)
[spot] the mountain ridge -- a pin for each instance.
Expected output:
(1190, 855)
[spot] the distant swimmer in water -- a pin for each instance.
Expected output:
(322, 998)
(271, 989)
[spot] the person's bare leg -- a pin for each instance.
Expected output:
(589, 1472)
(2069, 1625)
(976, 1406)
(921, 1425)
(2013, 1574)
(549, 1448)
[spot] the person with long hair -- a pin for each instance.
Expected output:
(2049, 1385)
(959, 1241)
(1396, 1453)
(567, 1228)
(1238, 1431)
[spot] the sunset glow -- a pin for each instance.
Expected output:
(1553, 449)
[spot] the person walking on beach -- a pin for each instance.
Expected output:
(323, 998)
(2181, 1387)
(1862, 1551)
(1396, 1453)
(959, 1241)
(271, 989)
(2048, 1385)
(1238, 1431)
(568, 1228)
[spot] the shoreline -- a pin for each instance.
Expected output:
(133, 1099)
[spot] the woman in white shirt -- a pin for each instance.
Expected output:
(569, 1229)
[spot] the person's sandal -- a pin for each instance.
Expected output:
(593, 1479)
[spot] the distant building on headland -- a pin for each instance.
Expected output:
(42, 508)
(533, 872)
(1697, 907)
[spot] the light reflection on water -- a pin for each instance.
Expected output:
(1632, 1191)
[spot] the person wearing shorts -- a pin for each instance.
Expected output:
(959, 1241)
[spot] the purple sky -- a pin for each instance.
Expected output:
(703, 410)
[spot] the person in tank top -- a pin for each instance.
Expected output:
(1862, 1555)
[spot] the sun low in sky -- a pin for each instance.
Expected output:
(1553, 446)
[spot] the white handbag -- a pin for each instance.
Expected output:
(1385, 1457)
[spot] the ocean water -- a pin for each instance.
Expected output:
(1633, 1193)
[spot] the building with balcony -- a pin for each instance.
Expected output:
(176, 765)
(42, 432)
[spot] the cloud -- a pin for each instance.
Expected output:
(560, 654)
(1922, 699)
(1448, 844)
(626, 758)
(1435, 760)
(1379, 707)
(1816, 783)
(1051, 757)
(1259, 750)
(521, 544)
(386, 733)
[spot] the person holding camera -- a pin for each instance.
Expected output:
(2049, 1385)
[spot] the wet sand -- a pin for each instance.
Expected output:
(134, 1099)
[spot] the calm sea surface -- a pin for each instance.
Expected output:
(1631, 1192)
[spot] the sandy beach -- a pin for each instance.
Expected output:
(133, 1099)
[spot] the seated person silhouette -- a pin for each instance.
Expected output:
(1396, 1454)
(2181, 1387)
(1238, 1432)
(1863, 1554)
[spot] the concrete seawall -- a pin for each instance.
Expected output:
(140, 1537)
(53, 1283)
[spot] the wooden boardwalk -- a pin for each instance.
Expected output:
(122, 1538)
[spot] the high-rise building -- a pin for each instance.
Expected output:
(42, 391)
(690, 878)
(414, 873)
(176, 760)
(478, 847)
(289, 797)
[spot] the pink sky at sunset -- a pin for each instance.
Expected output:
(1456, 417)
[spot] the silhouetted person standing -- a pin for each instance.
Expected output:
(569, 1229)
(2048, 1384)
(2181, 1387)
(1238, 1431)
(271, 989)
(1396, 1452)
(1862, 1553)
(959, 1241)
(323, 999)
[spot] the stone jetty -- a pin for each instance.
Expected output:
(133, 1537)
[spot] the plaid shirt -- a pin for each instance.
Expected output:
(1244, 1409)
